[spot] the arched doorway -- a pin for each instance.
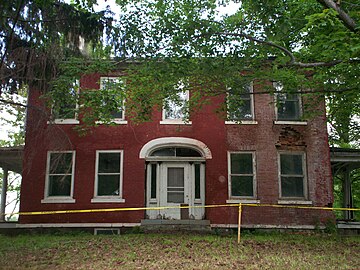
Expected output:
(175, 176)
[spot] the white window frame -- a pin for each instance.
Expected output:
(59, 199)
(120, 121)
(251, 121)
(287, 122)
(294, 200)
(242, 199)
(108, 199)
(166, 121)
(74, 120)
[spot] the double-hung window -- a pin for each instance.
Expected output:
(292, 174)
(59, 177)
(242, 177)
(108, 176)
(240, 104)
(65, 111)
(175, 110)
(288, 105)
(112, 94)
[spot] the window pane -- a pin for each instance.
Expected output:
(59, 185)
(117, 114)
(60, 163)
(112, 99)
(175, 177)
(153, 181)
(241, 164)
(164, 152)
(187, 152)
(291, 164)
(175, 197)
(292, 187)
(66, 109)
(197, 181)
(242, 186)
(176, 109)
(239, 103)
(108, 185)
(109, 163)
(288, 110)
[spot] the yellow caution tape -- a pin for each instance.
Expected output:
(180, 207)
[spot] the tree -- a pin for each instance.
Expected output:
(35, 36)
(304, 44)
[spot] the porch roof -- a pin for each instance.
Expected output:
(11, 158)
(345, 157)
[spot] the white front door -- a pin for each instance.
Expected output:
(174, 188)
(172, 184)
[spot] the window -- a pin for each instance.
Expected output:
(241, 175)
(108, 178)
(240, 103)
(292, 175)
(288, 105)
(176, 111)
(59, 177)
(175, 152)
(113, 98)
(65, 112)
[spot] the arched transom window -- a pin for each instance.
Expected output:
(175, 152)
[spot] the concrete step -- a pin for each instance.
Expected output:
(183, 225)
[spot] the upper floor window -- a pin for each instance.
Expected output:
(113, 97)
(59, 177)
(292, 175)
(242, 183)
(176, 109)
(288, 105)
(65, 112)
(240, 103)
(108, 176)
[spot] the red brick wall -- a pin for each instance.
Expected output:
(265, 138)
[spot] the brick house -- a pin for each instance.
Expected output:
(272, 156)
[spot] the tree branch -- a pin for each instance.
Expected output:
(13, 103)
(347, 20)
(293, 61)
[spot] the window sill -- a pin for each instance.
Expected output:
(107, 200)
(174, 122)
(64, 122)
(243, 201)
(299, 123)
(295, 202)
(58, 200)
(115, 121)
(242, 122)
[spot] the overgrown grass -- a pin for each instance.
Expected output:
(180, 251)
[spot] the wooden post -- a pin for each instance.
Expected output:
(239, 223)
(3, 195)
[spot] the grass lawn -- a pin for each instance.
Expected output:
(180, 251)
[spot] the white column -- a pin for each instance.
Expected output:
(3, 194)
